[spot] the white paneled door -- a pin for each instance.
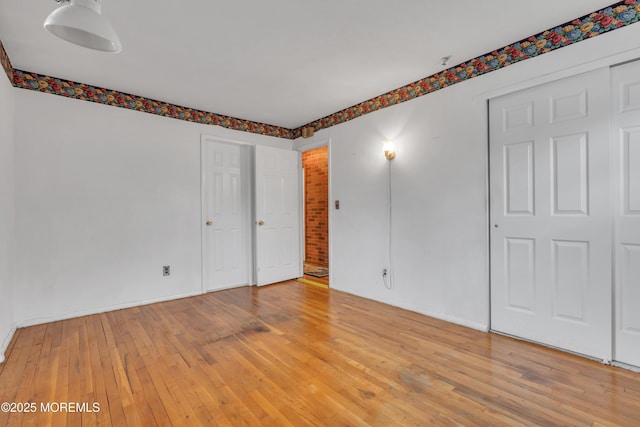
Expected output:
(225, 215)
(626, 167)
(550, 214)
(277, 215)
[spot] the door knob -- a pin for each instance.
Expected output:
(209, 223)
(260, 222)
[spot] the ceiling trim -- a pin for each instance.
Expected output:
(618, 15)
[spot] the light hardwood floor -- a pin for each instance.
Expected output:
(293, 355)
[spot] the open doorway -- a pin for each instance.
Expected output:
(315, 163)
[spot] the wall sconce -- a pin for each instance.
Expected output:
(389, 150)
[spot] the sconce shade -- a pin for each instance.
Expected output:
(389, 150)
(80, 22)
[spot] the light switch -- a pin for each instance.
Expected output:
(337, 204)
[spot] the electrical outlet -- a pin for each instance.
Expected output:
(166, 270)
(385, 272)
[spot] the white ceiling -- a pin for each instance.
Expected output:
(281, 62)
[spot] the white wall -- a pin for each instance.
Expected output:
(439, 178)
(7, 103)
(104, 198)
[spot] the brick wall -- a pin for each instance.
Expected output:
(316, 165)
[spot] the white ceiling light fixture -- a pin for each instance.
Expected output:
(80, 22)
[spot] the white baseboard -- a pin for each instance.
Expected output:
(105, 309)
(5, 343)
(453, 319)
(444, 317)
(626, 366)
(208, 291)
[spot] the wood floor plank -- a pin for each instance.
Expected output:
(292, 355)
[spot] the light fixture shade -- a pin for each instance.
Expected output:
(389, 149)
(80, 22)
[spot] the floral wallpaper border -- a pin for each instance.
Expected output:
(6, 63)
(84, 92)
(620, 14)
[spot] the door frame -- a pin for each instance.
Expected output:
(248, 195)
(306, 146)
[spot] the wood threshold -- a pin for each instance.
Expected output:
(293, 354)
(308, 280)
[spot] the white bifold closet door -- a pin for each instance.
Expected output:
(551, 214)
(626, 167)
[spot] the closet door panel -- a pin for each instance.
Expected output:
(626, 191)
(551, 217)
